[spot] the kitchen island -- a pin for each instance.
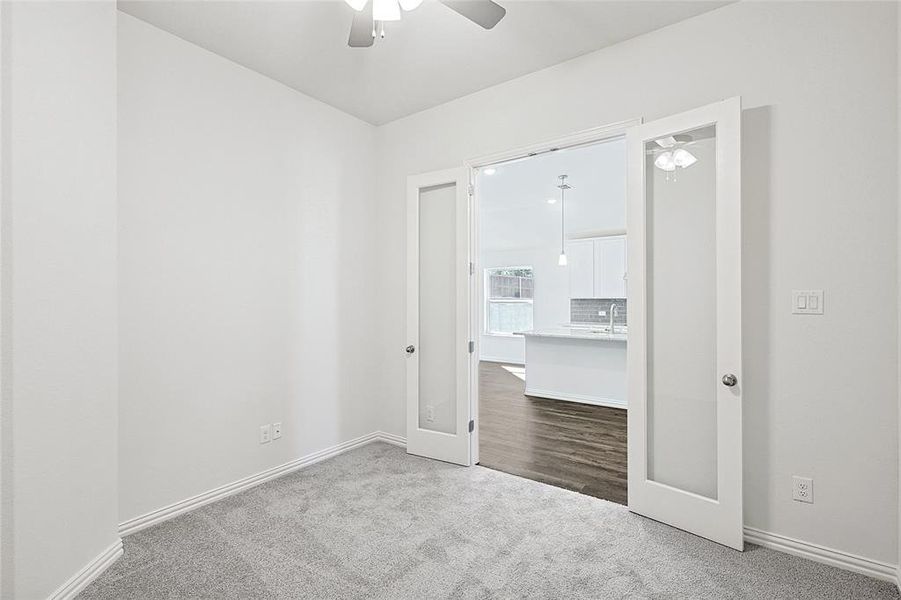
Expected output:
(577, 364)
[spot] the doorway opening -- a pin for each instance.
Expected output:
(552, 317)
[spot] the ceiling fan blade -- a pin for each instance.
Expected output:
(361, 28)
(482, 12)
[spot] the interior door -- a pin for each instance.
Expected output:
(438, 279)
(684, 298)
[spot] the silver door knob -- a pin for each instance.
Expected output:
(729, 380)
(411, 349)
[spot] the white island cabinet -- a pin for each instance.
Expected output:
(576, 364)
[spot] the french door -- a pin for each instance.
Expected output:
(438, 280)
(684, 298)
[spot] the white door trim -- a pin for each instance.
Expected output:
(455, 447)
(585, 137)
(721, 519)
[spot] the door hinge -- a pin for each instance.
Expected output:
(470, 189)
(472, 346)
(472, 426)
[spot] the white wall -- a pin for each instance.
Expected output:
(247, 271)
(821, 393)
(59, 290)
(898, 191)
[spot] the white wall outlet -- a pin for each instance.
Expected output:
(807, 302)
(802, 489)
(429, 414)
(276, 430)
(265, 434)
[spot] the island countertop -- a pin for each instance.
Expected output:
(581, 333)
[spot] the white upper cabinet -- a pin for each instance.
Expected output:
(597, 267)
(610, 267)
(580, 262)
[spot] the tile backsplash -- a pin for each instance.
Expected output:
(586, 310)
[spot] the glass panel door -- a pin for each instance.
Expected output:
(684, 291)
(438, 288)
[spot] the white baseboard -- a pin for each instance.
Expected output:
(821, 554)
(391, 438)
(609, 402)
(88, 573)
(167, 512)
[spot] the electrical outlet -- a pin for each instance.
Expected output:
(265, 434)
(276, 430)
(802, 489)
(429, 414)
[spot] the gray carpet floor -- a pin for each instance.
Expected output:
(377, 523)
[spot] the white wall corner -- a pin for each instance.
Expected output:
(88, 573)
(390, 438)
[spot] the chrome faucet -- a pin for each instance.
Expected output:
(614, 311)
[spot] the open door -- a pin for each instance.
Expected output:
(438, 279)
(684, 297)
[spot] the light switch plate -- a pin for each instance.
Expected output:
(807, 302)
(265, 434)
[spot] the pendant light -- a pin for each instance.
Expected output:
(563, 187)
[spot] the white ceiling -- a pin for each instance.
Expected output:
(513, 200)
(432, 56)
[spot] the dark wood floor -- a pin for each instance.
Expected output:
(574, 446)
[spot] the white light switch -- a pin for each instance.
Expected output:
(807, 302)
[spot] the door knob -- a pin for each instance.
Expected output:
(411, 349)
(729, 380)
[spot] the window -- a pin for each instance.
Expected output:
(508, 300)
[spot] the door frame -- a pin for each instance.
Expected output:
(586, 137)
(424, 442)
(721, 519)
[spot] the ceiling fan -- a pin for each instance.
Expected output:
(371, 15)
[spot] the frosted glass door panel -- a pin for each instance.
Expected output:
(682, 382)
(437, 309)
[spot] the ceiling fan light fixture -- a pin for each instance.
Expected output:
(385, 10)
(357, 5)
(369, 21)
(682, 158)
(665, 162)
